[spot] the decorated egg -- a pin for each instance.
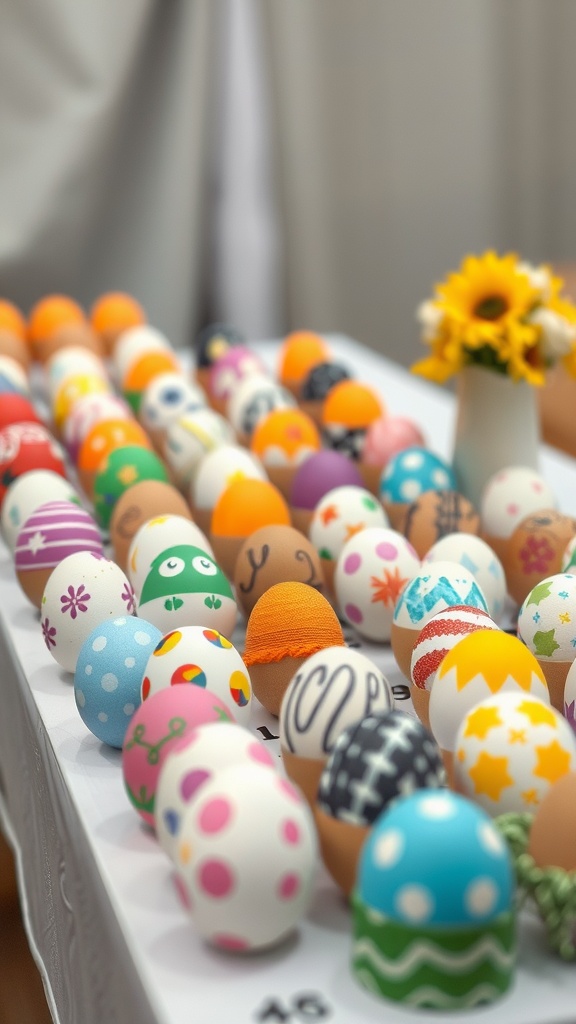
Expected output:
(339, 515)
(16, 409)
(50, 533)
(387, 436)
(113, 313)
(509, 750)
(13, 377)
(202, 657)
(246, 858)
(547, 625)
(82, 591)
(233, 366)
(153, 537)
(211, 344)
(189, 437)
(252, 400)
(87, 412)
(274, 554)
(301, 351)
(79, 335)
(194, 760)
(27, 493)
(481, 664)
(132, 344)
(509, 496)
(535, 550)
(120, 470)
(26, 446)
(214, 472)
(373, 568)
(104, 437)
(72, 389)
(186, 587)
(243, 507)
(476, 555)
(452, 909)
(569, 699)
(349, 408)
(317, 383)
(288, 623)
(72, 361)
(374, 761)
(436, 586)
(412, 472)
(435, 515)
(282, 440)
(332, 689)
(135, 506)
(50, 313)
(108, 675)
(153, 732)
(167, 397)
(568, 563)
(440, 634)
(143, 371)
(320, 473)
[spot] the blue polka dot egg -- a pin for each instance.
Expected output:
(412, 472)
(433, 905)
(108, 676)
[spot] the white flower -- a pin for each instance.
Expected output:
(429, 317)
(558, 334)
(539, 278)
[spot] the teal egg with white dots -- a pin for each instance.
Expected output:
(412, 472)
(434, 919)
(108, 676)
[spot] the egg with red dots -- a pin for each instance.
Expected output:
(108, 676)
(246, 859)
(82, 591)
(202, 657)
(372, 570)
(193, 761)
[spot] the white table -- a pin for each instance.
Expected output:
(110, 936)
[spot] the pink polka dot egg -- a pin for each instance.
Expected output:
(371, 572)
(246, 858)
(192, 762)
(155, 729)
(511, 495)
(202, 657)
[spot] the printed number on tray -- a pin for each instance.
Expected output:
(305, 1007)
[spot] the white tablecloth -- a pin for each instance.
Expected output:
(111, 938)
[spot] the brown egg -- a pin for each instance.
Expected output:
(274, 554)
(288, 623)
(535, 549)
(243, 507)
(552, 841)
(139, 503)
(15, 347)
(434, 515)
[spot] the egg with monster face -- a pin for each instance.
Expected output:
(185, 587)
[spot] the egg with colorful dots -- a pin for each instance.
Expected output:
(481, 664)
(194, 760)
(154, 731)
(409, 474)
(433, 588)
(108, 675)
(440, 634)
(282, 440)
(274, 554)
(509, 750)
(252, 400)
(301, 351)
(349, 409)
(435, 931)
(119, 470)
(547, 625)
(317, 475)
(215, 471)
(189, 437)
(26, 446)
(243, 507)
(186, 587)
(481, 560)
(339, 515)
(202, 657)
(49, 534)
(372, 569)
(154, 536)
(246, 859)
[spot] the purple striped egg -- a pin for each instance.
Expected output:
(53, 531)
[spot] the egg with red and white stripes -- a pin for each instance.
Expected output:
(50, 533)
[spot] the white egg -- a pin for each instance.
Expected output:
(154, 536)
(511, 495)
(26, 494)
(189, 437)
(479, 558)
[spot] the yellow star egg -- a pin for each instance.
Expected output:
(480, 665)
(510, 749)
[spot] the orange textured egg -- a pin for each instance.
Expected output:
(113, 313)
(243, 507)
(49, 314)
(288, 623)
(301, 351)
(351, 404)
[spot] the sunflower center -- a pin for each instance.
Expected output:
(491, 307)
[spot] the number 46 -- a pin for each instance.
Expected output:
(305, 1007)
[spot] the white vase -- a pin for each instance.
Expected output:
(497, 426)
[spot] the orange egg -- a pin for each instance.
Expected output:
(144, 370)
(285, 436)
(243, 507)
(50, 313)
(103, 438)
(300, 351)
(11, 319)
(352, 405)
(113, 313)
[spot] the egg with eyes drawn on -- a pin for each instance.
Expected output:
(186, 587)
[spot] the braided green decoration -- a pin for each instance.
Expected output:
(553, 890)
